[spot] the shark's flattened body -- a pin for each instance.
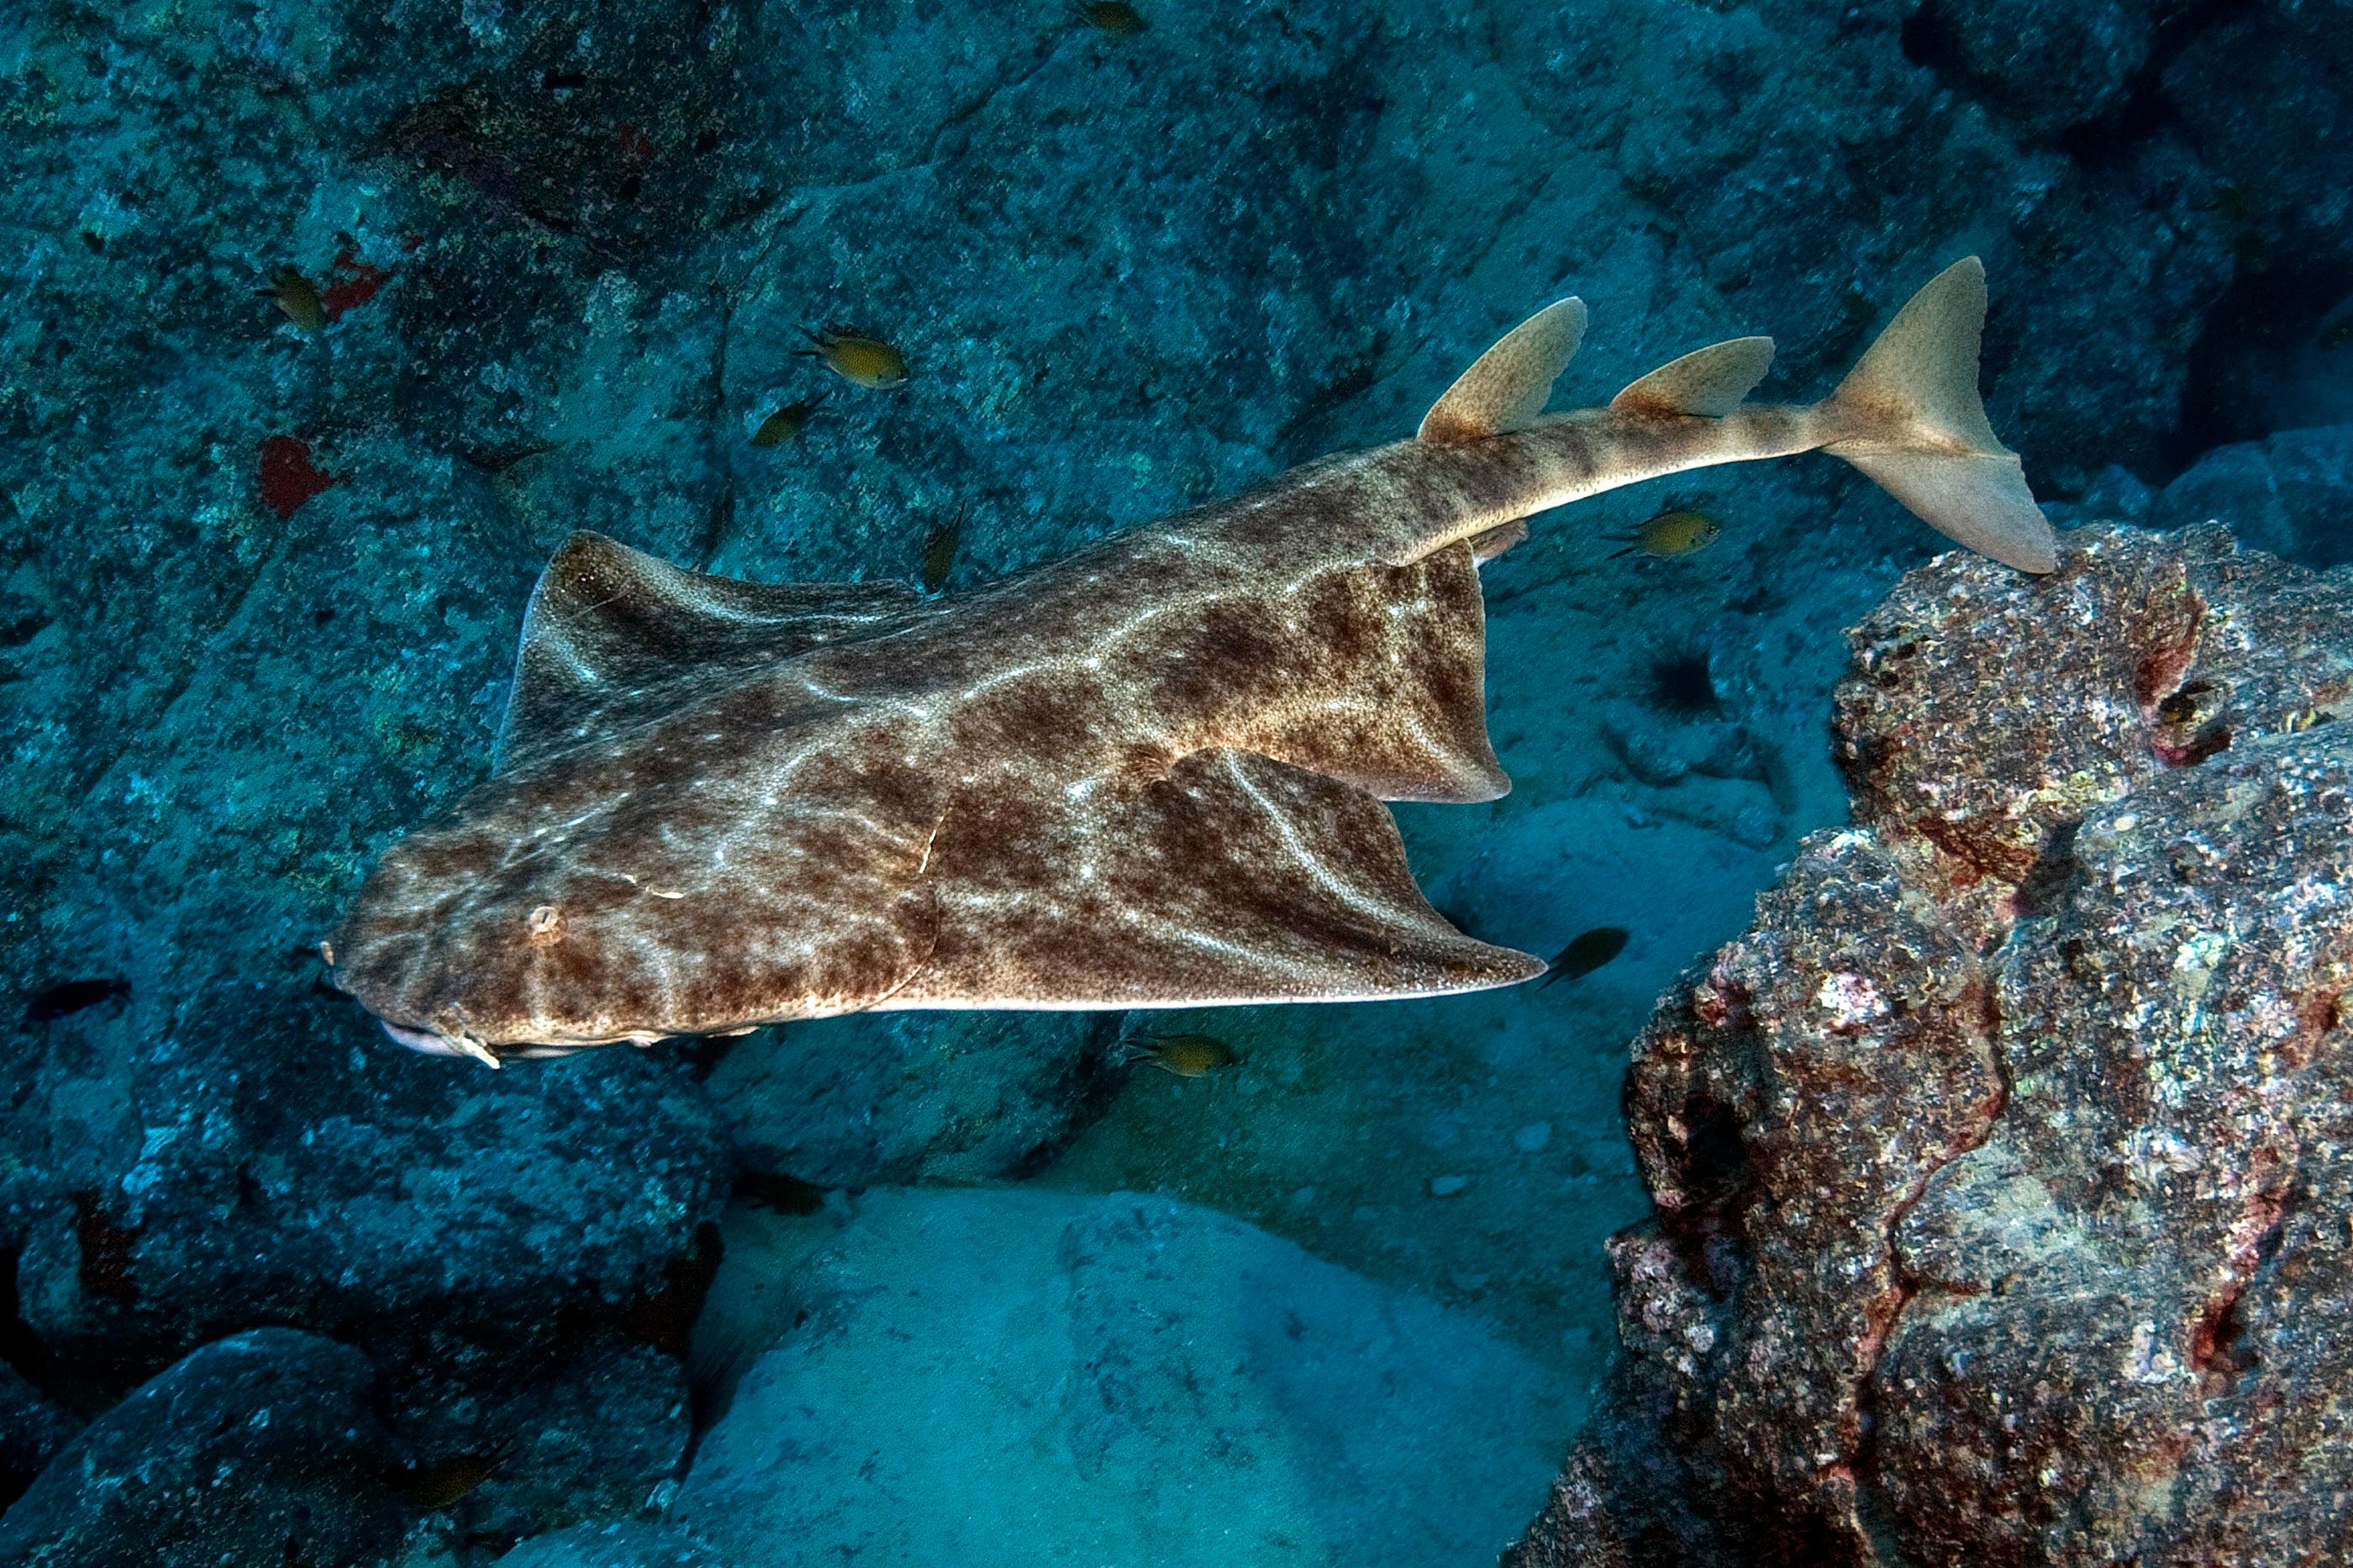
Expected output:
(1149, 775)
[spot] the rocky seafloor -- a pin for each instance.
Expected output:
(2004, 1221)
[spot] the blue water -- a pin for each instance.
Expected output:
(325, 326)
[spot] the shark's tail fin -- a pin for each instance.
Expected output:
(1921, 430)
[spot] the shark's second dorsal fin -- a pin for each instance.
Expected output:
(1505, 388)
(613, 635)
(1710, 380)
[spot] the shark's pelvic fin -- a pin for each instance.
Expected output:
(611, 631)
(1710, 380)
(1505, 388)
(1923, 431)
(1234, 880)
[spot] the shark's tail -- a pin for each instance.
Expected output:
(1922, 431)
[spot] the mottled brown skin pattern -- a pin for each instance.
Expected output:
(1146, 776)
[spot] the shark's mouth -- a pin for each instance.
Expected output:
(424, 1040)
(438, 1045)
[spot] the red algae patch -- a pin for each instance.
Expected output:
(288, 478)
(355, 283)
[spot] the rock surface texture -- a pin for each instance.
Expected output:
(262, 1449)
(2000, 1172)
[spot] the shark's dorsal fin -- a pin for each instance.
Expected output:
(1710, 380)
(1505, 388)
(612, 632)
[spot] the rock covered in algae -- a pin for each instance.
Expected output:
(1998, 1173)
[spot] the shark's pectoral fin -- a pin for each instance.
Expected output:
(1505, 388)
(1710, 381)
(612, 631)
(1232, 880)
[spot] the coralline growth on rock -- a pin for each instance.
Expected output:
(1998, 1170)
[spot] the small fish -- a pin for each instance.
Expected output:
(2182, 707)
(1186, 1056)
(1671, 535)
(298, 297)
(785, 423)
(71, 997)
(1587, 953)
(940, 549)
(868, 362)
(1115, 18)
(2335, 335)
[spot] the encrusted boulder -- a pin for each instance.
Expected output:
(258, 1449)
(2000, 1172)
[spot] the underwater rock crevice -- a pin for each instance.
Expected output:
(2247, 344)
(2142, 110)
(203, 645)
(1877, 1516)
(1043, 53)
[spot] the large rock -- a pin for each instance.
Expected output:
(1997, 1218)
(32, 1427)
(518, 1249)
(261, 1449)
(907, 1097)
(2291, 494)
(371, 1193)
(599, 1431)
(1012, 1377)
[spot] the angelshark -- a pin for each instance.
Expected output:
(1149, 775)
